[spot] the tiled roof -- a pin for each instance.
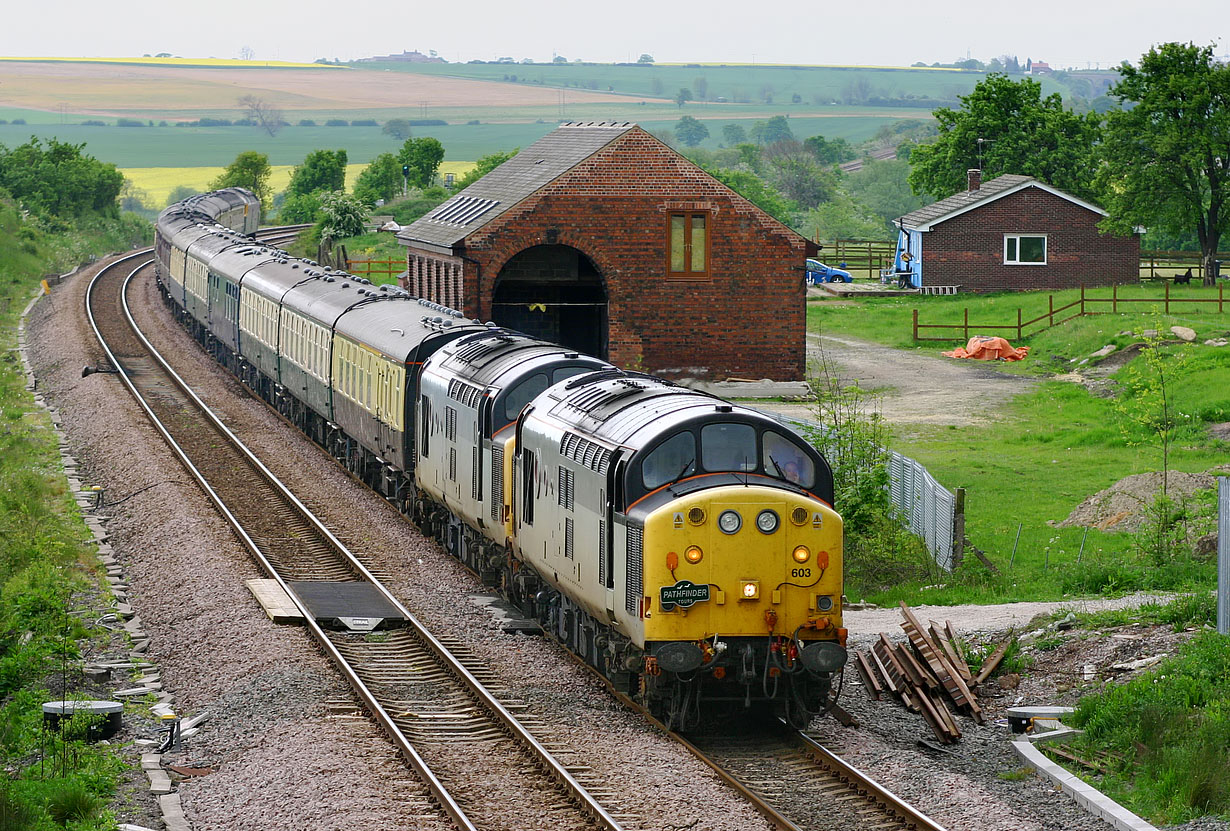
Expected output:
(989, 191)
(536, 166)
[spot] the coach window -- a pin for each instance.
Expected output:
(728, 447)
(688, 246)
(673, 459)
(1024, 249)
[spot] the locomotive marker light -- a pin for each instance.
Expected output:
(730, 522)
(801, 554)
(693, 554)
(749, 590)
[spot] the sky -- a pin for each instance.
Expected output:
(1064, 33)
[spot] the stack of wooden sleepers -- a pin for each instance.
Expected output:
(927, 673)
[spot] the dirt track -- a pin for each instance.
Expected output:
(919, 386)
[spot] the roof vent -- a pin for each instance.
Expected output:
(724, 408)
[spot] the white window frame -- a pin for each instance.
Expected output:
(1046, 248)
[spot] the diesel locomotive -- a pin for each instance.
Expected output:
(684, 547)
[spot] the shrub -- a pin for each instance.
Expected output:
(215, 122)
(93, 122)
(337, 122)
(17, 121)
(72, 802)
(306, 122)
(129, 122)
(364, 122)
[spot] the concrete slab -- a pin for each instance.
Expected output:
(359, 607)
(151, 761)
(276, 602)
(511, 619)
(159, 782)
(1081, 792)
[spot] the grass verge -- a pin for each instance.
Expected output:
(53, 780)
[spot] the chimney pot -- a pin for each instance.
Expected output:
(975, 179)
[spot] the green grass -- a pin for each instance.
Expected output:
(1047, 450)
(1172, 726)
(42, 561)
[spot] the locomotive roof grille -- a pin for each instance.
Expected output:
(463, 210)
(467, 394)
(583, 451)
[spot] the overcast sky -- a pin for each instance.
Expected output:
(1075, 33)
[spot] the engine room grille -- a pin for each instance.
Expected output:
(497, 482)
(450, 423)
(452, 463)
(474, 473)
(602, 575)
(569, 539)
(465, 393)
(585, 452)
(634, 584)
(567, 487)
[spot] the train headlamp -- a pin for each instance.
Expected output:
(693, 554)
(696, 515)
(801, 554)
(799, 515)
(730, 522)
(767, 521)
(749, 590)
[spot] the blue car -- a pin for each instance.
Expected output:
(818, 272)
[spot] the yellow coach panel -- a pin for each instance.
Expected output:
(744, 582)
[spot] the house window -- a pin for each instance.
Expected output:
(1024, 249)
(688, 249)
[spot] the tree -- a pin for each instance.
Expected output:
(249, 170)
(757, 191)
(1167, 153)
(645, 58)
(559, 59)
(300, 207)
(380, 180)
(797, 174)
(883, 187)
(683, 96)
(701, 85)
(179, 194)
(58, 179)
(690, 131)
(1021, 132)
(246, 53)
(424, 156)
(774, 130)
(485, 165)
(341, 216)
(321, 170)
(829, 151)
(733, 134)
(398, 128)
(263, 114)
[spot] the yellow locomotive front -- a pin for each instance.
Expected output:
(742, 601)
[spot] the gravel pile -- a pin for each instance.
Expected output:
(280, 761)
(1124, 506)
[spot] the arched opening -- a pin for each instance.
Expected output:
(553, 292)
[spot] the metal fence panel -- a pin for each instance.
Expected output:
(926, 507)
(1223, 555)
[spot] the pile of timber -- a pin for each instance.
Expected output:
(927, 673)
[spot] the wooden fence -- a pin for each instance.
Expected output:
(860, 255)
(1055, 315)
(1164, 265)
(366, 268)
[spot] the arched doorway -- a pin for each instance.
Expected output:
(553, 292)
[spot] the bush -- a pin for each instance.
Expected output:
(18, 121)
(129, 122)
(364, 122)
(337, 122)
(215, 122)
(430, 122)
(93, 122)
(72, 802)
(306, 122)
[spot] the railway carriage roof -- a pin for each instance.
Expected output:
(235, 261)
(392, 322)
(208, 246)
(498, 356)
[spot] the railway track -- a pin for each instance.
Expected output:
(800, 785)
(438, 706)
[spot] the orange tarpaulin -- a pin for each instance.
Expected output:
(986, 348)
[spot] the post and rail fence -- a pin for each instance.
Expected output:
(1154, 262)
(1055, 315)
(366, 268)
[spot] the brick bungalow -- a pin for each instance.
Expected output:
(601, 237)
(1012, 233)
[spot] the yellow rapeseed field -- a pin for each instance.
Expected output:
(158, 182)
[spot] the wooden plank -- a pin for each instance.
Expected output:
(867, 675)
(276, 602)
(952, 636)
(991, 663)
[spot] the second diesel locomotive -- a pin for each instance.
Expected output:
(683, 546)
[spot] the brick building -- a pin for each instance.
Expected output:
(600, 237)
(1013, 232)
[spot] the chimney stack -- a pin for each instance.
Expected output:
(975, 179)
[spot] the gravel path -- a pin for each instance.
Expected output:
(280, 761)
(919, 386)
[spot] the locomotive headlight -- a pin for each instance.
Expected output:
(801, 554)
(749, 590)
(693, 554)
(730, 522)
(767, 521)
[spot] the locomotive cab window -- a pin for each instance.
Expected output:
(786, 460)
(522, 394)
(728, 447)
(673, 459)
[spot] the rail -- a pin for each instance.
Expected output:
(368, 698)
